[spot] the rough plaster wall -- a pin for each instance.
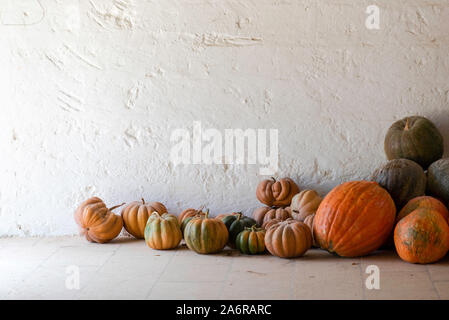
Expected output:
(92, 89)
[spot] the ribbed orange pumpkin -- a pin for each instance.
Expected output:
(222, 215)
(135, 216)
(276, 193)
(288, 239)
(422, 236)
(424, 202)
(162, 232)
(188, 213)
(265, 214)
(354, 219)
(96, 222)
(304, 204)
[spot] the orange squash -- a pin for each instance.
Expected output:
(354, 219)
(424, 202)
(188, 213)
(304, 204)
(96, 222)
(264, 214)
(422, 236)
(162, 232)
(288, 239)
(222, 215)
(276, 193)
(135, 216)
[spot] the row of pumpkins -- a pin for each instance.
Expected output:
(354, 219)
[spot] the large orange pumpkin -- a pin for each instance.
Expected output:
(135, 216)
(288, 239)
(424, 202)
(276, 193)
(96, 222)
(354, 219)
(422, 236)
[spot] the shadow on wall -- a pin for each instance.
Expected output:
(441, 120)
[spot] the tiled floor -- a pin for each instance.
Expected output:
(49, 268)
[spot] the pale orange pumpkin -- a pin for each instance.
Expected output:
(135, 216)
(96, 222)
(276, 193)
(189, 213)
(304, 204)
(309, 222)
(288, 239)
(264, 214)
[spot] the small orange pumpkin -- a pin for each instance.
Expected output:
(304, 204)
(265, 214)
(276, 193)
(354, 219)
(135, 216)
(424, 202)
(162, 232)
(422, 236)
(96, 222)
(188, 213)
(222, 215)
(288, 239)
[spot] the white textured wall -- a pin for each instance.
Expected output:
(91, 90)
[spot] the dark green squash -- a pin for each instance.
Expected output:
(414, 138)
(251, 240)
(403, 179)
(236, 224)
(438, 179)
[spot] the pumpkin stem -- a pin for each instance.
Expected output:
(143, 201)
(407, 124)
(239, 216)
(207, 214)
(200, 209)
(115, 207)
(272, 178)
(253, 227)
(156, 213)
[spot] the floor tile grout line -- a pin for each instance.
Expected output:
(432, 282)
(160, 276)
(225, 280)
(361, 279)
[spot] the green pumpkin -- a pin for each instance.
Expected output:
(403, 179)
(414, 138)
(236, 224)
(438, 179)
(205, 235)
(251, 240)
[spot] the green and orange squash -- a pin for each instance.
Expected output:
(205, 235)
(354, 219)
(422, 236)
(236, 224)
(162, 232)
(251, 240)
